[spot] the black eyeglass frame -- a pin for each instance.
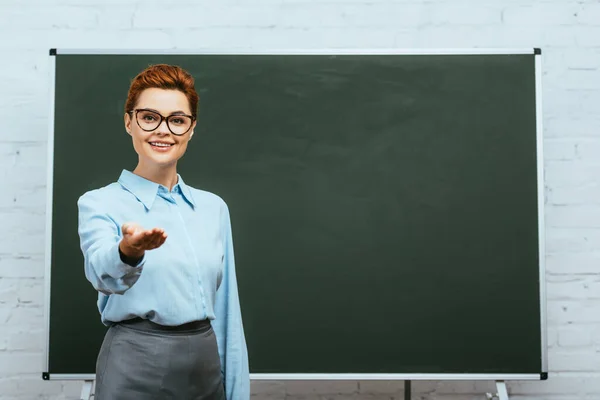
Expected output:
(162, 118)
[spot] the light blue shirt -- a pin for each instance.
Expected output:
(190, 277)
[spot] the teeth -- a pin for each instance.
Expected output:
(160, 144)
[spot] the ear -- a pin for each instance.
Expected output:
(127, 120)
(193, 126)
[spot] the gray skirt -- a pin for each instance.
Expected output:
(142, 360)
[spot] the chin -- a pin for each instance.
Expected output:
(161, 161)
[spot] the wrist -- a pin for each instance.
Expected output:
(130, 253)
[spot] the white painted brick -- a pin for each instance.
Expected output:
(381, 387)
(13, 363)
(72, 389)
(343, 397)
(572, 125)
(45, 39)
(371, 15)
(578, 58)
(37, 130)
(284, 38)
(272, 388)
(33, 385)
(589, 150)
(576, 216)
(26, 317)
(583, 79)
(30, 291)
(461, 14)
(24, 168)
(268, 396)
(569, 101)
(557, 384)
(21, 195)
(585, 262)
(575, 337)
(26, 177)
(22, 266)
(26, 76)
(321, 387)
(551, 336)
(540, 13)
(568, 195)
(5, 313)
(572, 240)
(573, 287)
(208, 16)
(570, 174)
(587, 36)
(595, 332)
(589, 13)
(569, 312)
(488, 36)
(575, 360)
(560, 149)
(9, 386)
(20, 224)
(8, 291)
(46, 16)
(121, 17)
(34, 340)
(22, 153)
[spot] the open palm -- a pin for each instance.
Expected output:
(136, 240)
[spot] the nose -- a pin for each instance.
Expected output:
(163, 128)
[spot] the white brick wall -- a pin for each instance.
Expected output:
(568, 31)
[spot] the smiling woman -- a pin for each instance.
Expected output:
(171, 305)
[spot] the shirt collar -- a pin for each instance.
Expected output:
(145, 190)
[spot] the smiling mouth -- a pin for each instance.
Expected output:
(161, 145)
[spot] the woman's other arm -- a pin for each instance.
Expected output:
(228, 324)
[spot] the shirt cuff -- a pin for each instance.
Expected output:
(132, 261)
(118, 268)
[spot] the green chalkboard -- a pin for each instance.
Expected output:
(384, 207)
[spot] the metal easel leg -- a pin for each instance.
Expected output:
(407, 390)
(502, 392)
(86, 390)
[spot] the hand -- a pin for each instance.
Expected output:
(136, 240)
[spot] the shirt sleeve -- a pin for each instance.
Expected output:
(228, 324)
(99, 237)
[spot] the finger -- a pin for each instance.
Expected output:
(141, 238)
(160, 239)
(130, 228)
(154, 240)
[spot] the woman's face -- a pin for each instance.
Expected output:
(157, 145)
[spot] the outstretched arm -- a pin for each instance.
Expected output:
(113, 257)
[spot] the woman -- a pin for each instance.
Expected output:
(160, 255)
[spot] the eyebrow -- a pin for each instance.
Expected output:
(178, 112)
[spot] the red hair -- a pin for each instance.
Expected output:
(163, 76)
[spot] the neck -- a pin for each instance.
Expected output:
(164, 175)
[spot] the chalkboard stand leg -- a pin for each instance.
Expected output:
(86, 390)
(406, 390)
(502, 392)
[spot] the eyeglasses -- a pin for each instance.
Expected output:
(178, 124)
